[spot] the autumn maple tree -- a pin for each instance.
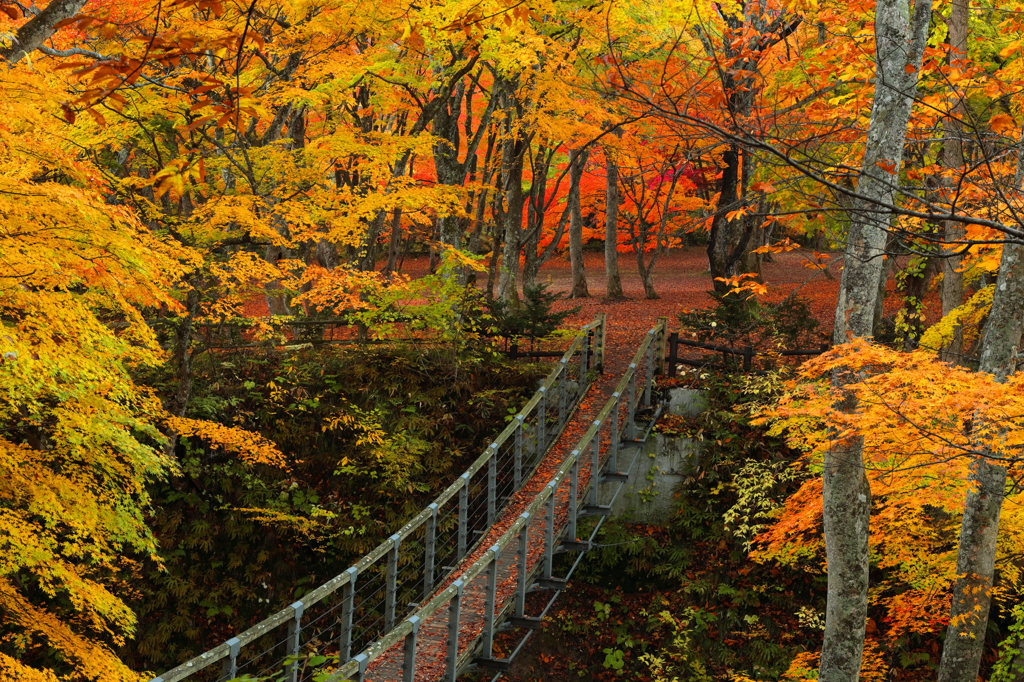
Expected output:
(170, 167)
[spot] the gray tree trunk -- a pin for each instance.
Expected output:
(538, 205)
(951, 292)
(846, 494)
(577, 160)
(513, 153)
(611, 227)
(39, 28)
(450, 171)
(975, 561)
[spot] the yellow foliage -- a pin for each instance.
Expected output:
(11, 669)
(250, 447)
(77, 441)
(78, 437)
(967, 317)
(873, 667)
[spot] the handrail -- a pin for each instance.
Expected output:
(588, 346)
(357, 668)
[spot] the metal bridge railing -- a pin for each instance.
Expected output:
(356, 608)
(456, 627)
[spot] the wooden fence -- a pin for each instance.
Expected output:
(748, 353)
(232, 335)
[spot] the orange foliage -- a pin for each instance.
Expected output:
(922, 421)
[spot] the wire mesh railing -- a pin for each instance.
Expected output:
(356, 608)
(457, 625)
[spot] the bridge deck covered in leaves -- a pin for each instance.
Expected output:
(427, 603)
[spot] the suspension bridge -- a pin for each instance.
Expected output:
(428, 602)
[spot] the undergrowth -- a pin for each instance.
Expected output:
(684, 602)
(371, 434)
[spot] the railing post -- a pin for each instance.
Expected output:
(348, 608)
(549, 533)
(662, 345)
(602, 342)
(229, 668)
(489, 602)
(748, 357)
(463, 515)
(517, 455)
(542, 419)
(648, 373)
(429, 551)
(585, 360)
(673, 353)
(574, 483)
(613, 434)
(391, 591)
(492, 484)
(362, 660)
(521, 559)
(562, 397)
(452, 655)
(295, 641)
(409, 662)
(631, 403)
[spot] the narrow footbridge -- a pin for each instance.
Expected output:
(428, 602)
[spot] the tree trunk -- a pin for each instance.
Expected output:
(37, 30)
(446, 160)
(646, 271)
(729, 241)
(577, 160)
(513, 155)
(184, 336)
(846, 494)
(394, 241)
(277, 299)
(481, 197)
(492, 266)
(951, 292)
(537, 206)
(975, 561)
(447, 148)
(611, 228)
(724, 231)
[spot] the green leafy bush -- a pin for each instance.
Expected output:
(533, 319)
(787, 324)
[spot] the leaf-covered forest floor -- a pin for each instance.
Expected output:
(682, 280)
